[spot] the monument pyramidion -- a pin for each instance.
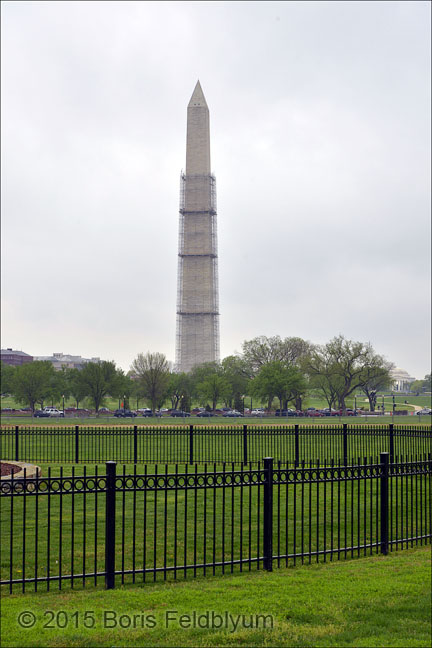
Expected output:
(197, 338)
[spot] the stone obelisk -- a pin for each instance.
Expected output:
(197, 295)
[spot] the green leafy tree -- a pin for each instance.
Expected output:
(263, 350)
(374, 378)
(214, 388)
(124, 388)
(98, 380)
(77, 388)
(278, 380)
(179, 390)
(210, 384)
(32, 382)
(152, 371)
(344, 363)
(422, 386)
(238, 374)
(7, 375)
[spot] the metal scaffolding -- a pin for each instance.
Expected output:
(197, 334)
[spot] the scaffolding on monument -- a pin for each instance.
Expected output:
(214, 306)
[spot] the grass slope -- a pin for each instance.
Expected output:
(373, 601)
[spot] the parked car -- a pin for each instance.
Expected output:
(179, 413)
(258, 412)
(104, 410)
(122, 413)
(330, 412)
(232, 414)
(314, 412)
(425, 410)
(53, 411)
(204, 414)
(348, 412)
(41, 414)
(285, 412)
(149, 412)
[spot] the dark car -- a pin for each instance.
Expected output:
(314, 412)
(206, 414)
(121, 413)
(330, 412)
(149, 412)
(348, 412)
(41, 414)
(286, 412)
(179, 413)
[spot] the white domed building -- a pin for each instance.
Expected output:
(401, 380)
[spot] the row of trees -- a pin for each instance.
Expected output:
(267, 369)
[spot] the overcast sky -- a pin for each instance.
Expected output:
(320, 142)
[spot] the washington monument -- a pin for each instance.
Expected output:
(197, 339)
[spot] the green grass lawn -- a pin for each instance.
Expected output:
(370, 601)
(320, 439)
(174, 530)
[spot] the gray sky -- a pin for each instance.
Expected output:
(320, 135)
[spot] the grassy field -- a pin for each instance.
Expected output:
(103, 420)
(56, 441)
(172, 530)
(371, 601)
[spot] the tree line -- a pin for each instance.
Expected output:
(268, 369)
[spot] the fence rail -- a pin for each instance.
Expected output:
(117, 526)
(200, 444)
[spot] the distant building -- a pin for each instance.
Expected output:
(15, 358)
(60, 360)
(401, 380)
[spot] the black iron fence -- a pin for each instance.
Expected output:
(118, 527)
(200, 444)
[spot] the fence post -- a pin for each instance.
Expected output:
(391, 440)
(76, 444)
(110, 524)
(384, 461)
(345, 443)
(135, 442)
(268, 514)
(245, 444)
(16, 442)
(191, 448)
(296, 439)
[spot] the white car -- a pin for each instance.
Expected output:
(53, 411)
(425, 410)
(258, 412)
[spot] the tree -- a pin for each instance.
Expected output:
(32, 382)
(340, 366)
(275, 379)
(124, 387)
(214, 388)
(77, 389)
(7, 375)
(263, 350)
(97, 380)
(320, 368)
(238, 374)
(374, 378)
(152, 371)
(179, 390)
(424, 385)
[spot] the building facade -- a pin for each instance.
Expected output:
(15, 358)
(401, 380)
(60, 360)
(197, 338)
